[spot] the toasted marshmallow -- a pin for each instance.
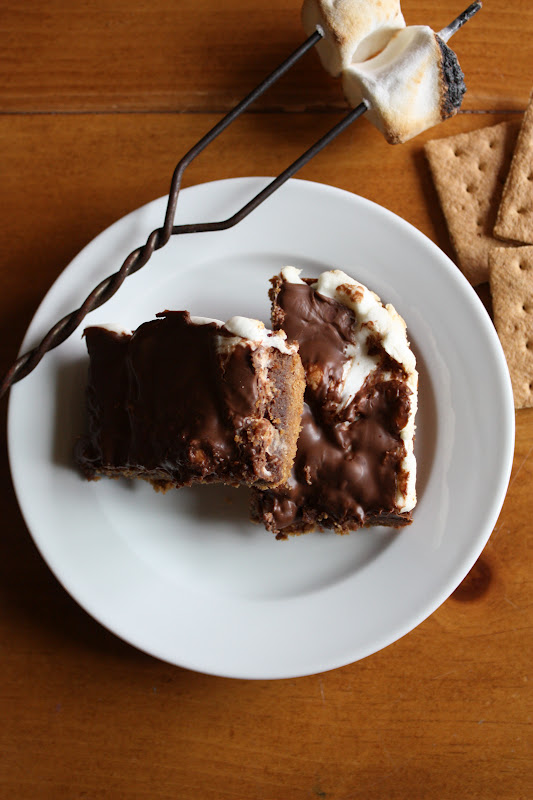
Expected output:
(255, 333)
(251, 331)
(354, 30)
(413, 84)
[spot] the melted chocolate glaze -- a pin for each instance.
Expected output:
(347, 467)
(167, 404)
(322, 329)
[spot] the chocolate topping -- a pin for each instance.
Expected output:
(109, 371)
(175, 399)
(322, 328)
(347, 469)
(174, 404)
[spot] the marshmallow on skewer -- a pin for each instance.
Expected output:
(415, 82)
(354, 30)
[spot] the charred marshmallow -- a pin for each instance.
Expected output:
(413, 84)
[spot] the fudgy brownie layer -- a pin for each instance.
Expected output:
(348, 467)
(285, 407)
(178, 402)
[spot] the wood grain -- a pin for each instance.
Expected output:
(196, 55)
(71, 176)
(444, 712)
(441, 713)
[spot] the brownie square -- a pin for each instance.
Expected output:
(185, 399)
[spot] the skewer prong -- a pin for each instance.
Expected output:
(159, 237)
(447, 32)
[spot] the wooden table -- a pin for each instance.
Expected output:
(99, 101)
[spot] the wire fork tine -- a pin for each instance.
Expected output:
(159, 237)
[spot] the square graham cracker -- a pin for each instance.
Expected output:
(469, 172)
(511, 285)
(515, 215)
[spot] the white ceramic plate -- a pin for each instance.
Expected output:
(184, 576)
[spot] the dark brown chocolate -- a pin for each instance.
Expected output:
(168, 404)
(347, 470)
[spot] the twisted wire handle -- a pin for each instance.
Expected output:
(157, 239)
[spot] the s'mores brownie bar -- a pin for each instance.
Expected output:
(186, 399)
(355, 464)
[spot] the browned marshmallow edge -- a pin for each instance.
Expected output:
(354, 30)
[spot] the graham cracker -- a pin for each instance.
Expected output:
(515, 215)
(511, 284)
(469, 171)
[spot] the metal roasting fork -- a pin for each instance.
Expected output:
(159, 237)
